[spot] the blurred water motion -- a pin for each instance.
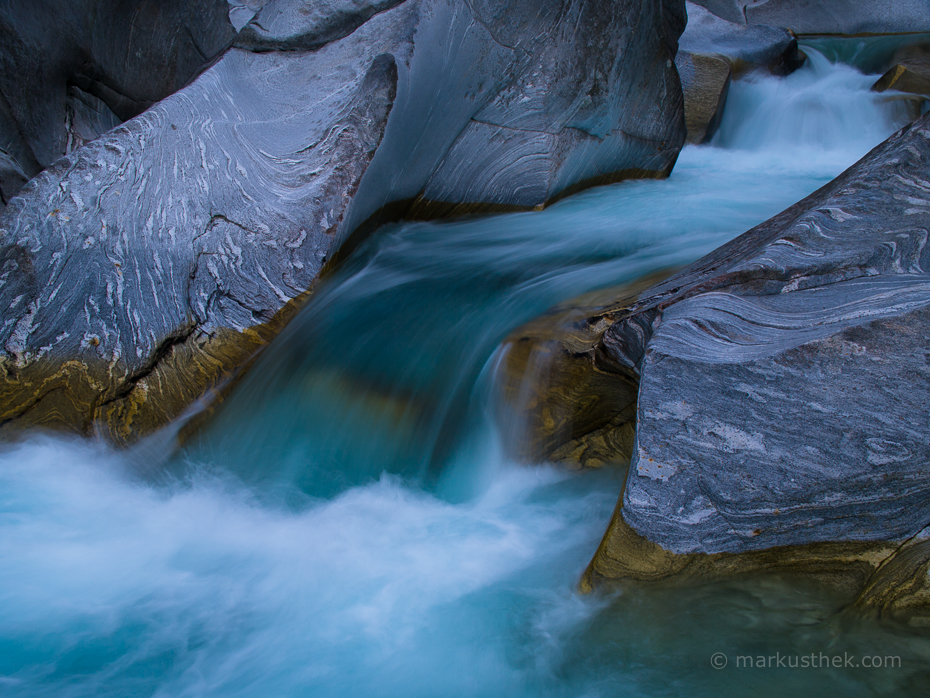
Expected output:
(381, 371)
(348, 524)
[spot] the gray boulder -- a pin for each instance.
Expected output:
(66, 80)
(744, 47)
(827, 16)
(909, 76)
(842, 16)
(145, 268)
(784, 387)
(705, 82)
(712, 51)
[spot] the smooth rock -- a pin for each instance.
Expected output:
(784, 384)
(141, 271)
(899, 588)
(555, 407)
(305, 26)
(912, 76)
(712, 51)
(744, 47)
(57, 56)
(12, 178)
(848, 17)
(577, 113)
(705, 82)
(241, 12)
(730, 10)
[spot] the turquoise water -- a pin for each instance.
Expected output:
(348, 524)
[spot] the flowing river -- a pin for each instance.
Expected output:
(348, 524)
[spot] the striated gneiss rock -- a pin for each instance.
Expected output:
(582, 107)
(827, 16)
(141, 270)
(784, 387)
(72, 70)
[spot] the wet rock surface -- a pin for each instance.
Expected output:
(559, 407)
(712, 51)
(141, 270)
(784, 384)
(911, 76)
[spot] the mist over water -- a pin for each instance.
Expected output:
(347, 523)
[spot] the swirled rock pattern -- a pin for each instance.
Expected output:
(784, 384)
(541, 137)
(72, 70)
(143, 269)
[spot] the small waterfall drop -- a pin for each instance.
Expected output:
(379, 372)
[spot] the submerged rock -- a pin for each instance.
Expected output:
(784, 386)
(143, 269)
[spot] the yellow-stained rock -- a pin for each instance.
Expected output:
(911, 76)
(563, 407)
(705, 82)
(870, 573)
(79, 396)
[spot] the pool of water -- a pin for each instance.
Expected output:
(348, 523)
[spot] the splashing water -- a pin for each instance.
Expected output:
(347, 525)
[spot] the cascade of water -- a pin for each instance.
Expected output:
(409, 558)
(823, 112)
(377, 373)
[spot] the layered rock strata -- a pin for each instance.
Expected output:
(783, 391)
(141, 270)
